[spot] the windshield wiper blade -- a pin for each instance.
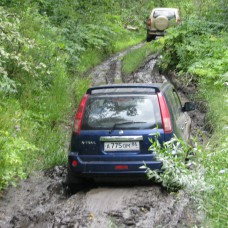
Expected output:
(122, 123)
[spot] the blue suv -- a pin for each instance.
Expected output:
(113, 126)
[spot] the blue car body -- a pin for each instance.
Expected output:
(114, 125)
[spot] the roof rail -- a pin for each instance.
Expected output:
(115, 86)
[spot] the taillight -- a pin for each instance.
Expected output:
(149, 22)
(166, 120)
(79, 115)
(74, 163)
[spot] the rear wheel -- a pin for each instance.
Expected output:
(74, 183)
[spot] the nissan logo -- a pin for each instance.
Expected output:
(121, 132)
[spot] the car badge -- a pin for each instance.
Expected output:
(121, 132)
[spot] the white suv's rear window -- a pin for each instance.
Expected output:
(167, 13)
(125, 112)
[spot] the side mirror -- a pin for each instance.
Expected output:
(188, 106)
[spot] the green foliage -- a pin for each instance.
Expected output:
(7, 86)
(88, 25)
(81, 85)
(176, 174)
(92, 25)
(12, 50)
(15, 155)
(215, 161)
(35, 94)
(196, 51)
(44, 46)
(215, 157)
(198, 48)
(24, 60)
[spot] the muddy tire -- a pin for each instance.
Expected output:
(73, 183)
(161, 23)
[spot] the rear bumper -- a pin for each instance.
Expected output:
(112, 165)
(155, 33)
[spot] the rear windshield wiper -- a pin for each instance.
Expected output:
(122, 123)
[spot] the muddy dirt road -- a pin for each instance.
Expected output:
(41, 200)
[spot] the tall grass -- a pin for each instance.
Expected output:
(215, 157)
(127, 39)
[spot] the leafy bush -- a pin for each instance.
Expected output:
(14, 157)
(7, 86)
(176, 172)
(197, 50)
(12, 51)
(35, 94)
(24, 60)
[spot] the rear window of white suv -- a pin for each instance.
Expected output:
(167, 13)
(121, 112)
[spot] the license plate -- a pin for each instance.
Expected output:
(121, 146)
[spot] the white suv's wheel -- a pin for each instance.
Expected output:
(161, 23)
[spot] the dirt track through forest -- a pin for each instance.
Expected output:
(41, 200)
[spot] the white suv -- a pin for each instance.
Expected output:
(159, 20)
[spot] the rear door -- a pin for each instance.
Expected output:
(180, 119)
(119, 124)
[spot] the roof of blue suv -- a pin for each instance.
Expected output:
(127, 88)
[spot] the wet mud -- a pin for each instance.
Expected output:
(42, 200)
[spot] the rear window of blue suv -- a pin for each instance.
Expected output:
(121, 112)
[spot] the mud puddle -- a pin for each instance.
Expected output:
(42, 201)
